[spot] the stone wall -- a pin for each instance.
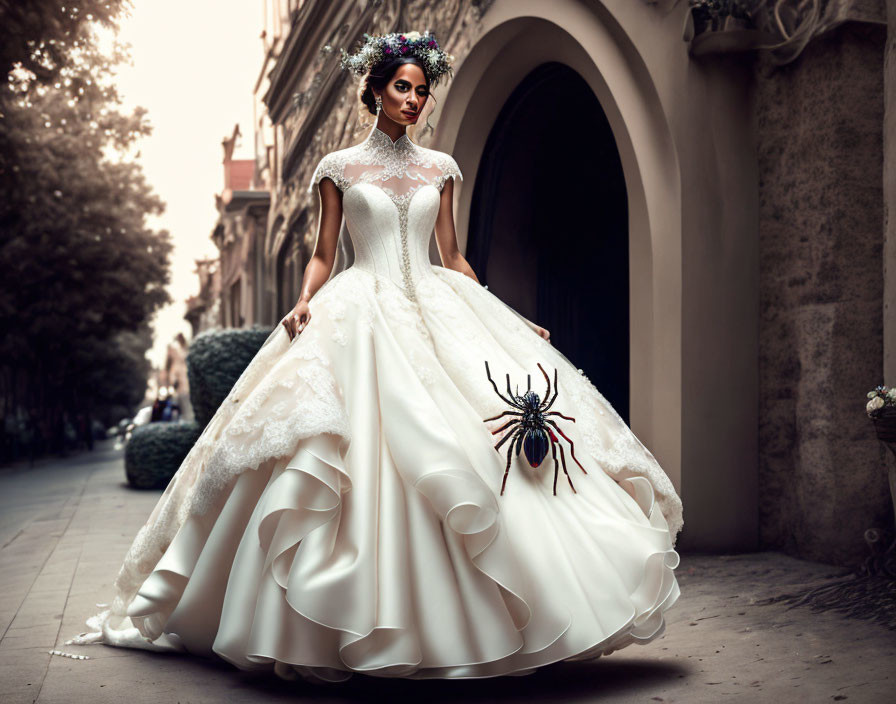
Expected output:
(819, 127)
(890, 199)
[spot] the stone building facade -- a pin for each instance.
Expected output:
(204, 309)
(703, 216)
(239, 235)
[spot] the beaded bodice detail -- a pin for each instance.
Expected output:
(390, 202)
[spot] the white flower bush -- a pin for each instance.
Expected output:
(879, 398)
(874, 404)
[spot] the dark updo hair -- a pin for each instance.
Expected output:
(380, 75)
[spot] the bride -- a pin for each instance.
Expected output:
(379, 491)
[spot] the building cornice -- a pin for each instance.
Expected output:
(237, 200)
(321, 24)
(308, 34)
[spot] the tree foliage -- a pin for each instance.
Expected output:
(83, 272)
(44, 36)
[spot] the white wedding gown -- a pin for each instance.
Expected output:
(342, 511)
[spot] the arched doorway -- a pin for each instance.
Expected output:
(548, 229)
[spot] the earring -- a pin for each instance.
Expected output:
(379, 104)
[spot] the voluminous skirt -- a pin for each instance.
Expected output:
(341, 512)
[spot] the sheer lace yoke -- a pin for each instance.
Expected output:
(399, 167)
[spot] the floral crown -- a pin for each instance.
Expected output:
(378, 48)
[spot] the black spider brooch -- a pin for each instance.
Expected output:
(533, 432)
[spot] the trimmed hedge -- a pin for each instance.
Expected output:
(155, 451)
(215, 361)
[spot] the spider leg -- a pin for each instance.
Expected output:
(509, 457)
(528, 382)
(572, 446)
(504, 439)
(563, 460)
(556, 466)
(548, 392)
(556, 389)
(558, 413)
(506, 425)
(505, 413)
(519, 441)
(506, 400)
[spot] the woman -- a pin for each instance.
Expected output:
(346, 509)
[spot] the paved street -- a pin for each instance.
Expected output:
(66, 524)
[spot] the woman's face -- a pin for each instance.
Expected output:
(405, 95)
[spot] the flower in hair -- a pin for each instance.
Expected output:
(378, 48)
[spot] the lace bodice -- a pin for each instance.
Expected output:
(390, 202)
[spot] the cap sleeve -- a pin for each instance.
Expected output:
(329, 167)
(449, 169)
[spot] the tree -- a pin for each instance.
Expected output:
(81, 267)
(42, 37)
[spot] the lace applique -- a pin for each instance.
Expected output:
(329, 167)
(450, 169)
(275, 417)
(336, 314)
(403, 312)
(357, 287)
(311, 350)
(339, 336)
(349, 287)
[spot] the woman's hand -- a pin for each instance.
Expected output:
(296, 320)
(543, 332)
(540, 330)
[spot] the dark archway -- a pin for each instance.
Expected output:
(549, 223)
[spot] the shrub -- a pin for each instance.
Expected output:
(155, 452)
(215, 360)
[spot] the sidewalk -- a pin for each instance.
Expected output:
(65, 525)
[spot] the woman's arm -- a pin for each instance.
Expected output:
(446, 239)
(319, 266)
(446, 236)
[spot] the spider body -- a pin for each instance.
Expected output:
(535, 446)
(533, 433)
(532, 429)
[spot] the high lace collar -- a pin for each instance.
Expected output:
(377, 139)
